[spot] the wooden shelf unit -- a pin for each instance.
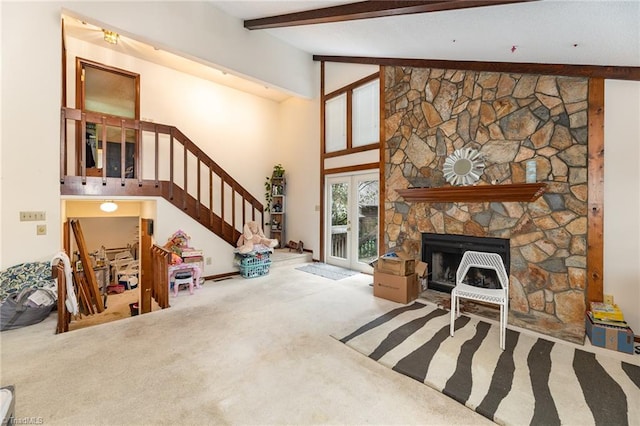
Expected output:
(523, 192)
(278, 213)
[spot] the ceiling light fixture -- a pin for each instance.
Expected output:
(110, 36)
(108, 206)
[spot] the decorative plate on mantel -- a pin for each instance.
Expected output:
(463, 167)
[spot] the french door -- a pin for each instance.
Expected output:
(351, 220)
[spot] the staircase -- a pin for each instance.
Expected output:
(165, 163)
(284, 257)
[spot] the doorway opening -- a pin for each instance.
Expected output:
(352, 215)
(116, 245)
(112, 91)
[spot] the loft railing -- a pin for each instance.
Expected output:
(165, 163)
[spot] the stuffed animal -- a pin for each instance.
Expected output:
(253, 234)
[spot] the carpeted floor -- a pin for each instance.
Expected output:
(570, 385)
(327, 271)
(237, 352)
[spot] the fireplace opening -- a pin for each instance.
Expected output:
(443, 253)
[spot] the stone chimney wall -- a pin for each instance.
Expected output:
(509, 119)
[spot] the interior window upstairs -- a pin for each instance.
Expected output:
(352, 117)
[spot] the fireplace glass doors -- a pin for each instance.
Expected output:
(443, 253)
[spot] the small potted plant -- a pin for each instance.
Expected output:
(270, 187)
(278, 170)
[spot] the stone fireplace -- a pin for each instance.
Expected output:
(509, 119)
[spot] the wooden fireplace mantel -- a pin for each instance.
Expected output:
(525, 192)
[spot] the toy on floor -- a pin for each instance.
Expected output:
(253, 234)
(299, 246)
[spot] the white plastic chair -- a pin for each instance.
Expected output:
(126, 269)
(500, 296)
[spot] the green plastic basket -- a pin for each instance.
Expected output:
(252, 267)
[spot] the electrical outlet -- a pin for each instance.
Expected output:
(608, 299)
(208, 261)
(32, 216)
(41, 229)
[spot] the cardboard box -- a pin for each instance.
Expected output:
(616, 338)
(422, 270)
(401, 266)
(396, 288)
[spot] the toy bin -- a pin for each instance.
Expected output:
(254, 265)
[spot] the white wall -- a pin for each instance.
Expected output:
(198, 30)
(622, 197)
(30, 128)
(300, 129)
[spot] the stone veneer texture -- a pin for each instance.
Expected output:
(509, 118)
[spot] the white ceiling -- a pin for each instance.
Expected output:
(597, 32)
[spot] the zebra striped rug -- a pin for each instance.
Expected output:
(533, 381)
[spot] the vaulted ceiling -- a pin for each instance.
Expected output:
(596, 32)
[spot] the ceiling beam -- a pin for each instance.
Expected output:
(569, 70)
(366, 10)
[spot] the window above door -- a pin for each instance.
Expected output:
(352, 118)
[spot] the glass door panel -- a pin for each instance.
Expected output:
(352, 211)
(368, 199)
(338, 221)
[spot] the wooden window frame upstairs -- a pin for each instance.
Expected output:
(348, 90)
(80, 96)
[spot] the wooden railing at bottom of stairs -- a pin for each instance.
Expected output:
(160, 260)
(64, 316)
